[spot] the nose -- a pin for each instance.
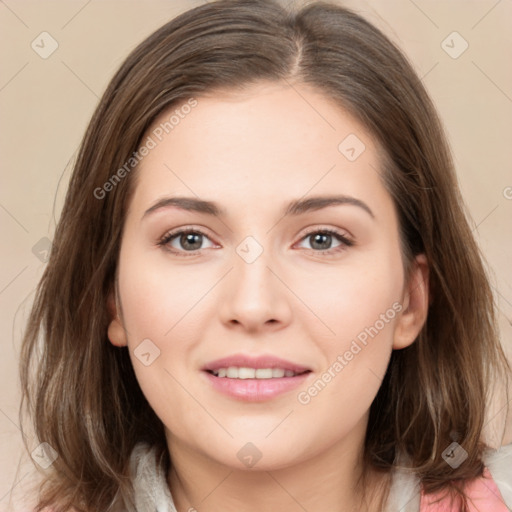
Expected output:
(255, 297)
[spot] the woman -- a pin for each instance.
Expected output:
(264, 370)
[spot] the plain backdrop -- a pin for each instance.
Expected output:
(58, 56)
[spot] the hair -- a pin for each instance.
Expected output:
(81, 392)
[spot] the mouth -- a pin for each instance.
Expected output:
(244, 372)
(250, 367)
(254, 379)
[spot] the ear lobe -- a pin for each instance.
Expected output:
(116, 332)
(415, 304)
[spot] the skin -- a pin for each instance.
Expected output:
(253, 153)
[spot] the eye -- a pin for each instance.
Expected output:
(322, 239)
(183, 241)
(187, 240)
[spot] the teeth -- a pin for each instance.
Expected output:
(234, 372)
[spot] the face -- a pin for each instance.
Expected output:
(273, 274)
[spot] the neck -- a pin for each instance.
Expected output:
(326, 482)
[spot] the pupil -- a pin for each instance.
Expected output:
(325, 237)
(189, 240)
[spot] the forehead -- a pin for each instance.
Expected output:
(264, 142)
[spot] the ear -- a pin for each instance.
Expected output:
(116, 332)
(415, 302)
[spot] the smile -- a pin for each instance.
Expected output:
(234, 372)
(254, 385)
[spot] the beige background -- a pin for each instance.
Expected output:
(45, 105)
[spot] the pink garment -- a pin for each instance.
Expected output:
(485, 497)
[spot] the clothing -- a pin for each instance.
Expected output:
(490, 493)
(149, 481)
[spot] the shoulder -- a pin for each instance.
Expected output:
(492, 492)
(499, 464)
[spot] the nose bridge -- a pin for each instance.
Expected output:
(252, 273)
(255, 296)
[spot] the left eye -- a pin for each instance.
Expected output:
(190, 240)
(324, 237)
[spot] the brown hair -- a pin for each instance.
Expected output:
(81, 391)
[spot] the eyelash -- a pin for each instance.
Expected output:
(345, 241)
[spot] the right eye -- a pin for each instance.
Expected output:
(190, 241)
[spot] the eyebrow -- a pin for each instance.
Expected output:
(294, 208)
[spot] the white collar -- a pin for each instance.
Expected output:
(152, 492)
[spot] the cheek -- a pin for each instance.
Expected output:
(162, 308)
(349, 299)
(159, 298)
(359, 309)
(356, 358)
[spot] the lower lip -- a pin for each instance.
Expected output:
(255, 390)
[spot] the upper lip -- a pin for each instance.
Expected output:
(263, 361)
